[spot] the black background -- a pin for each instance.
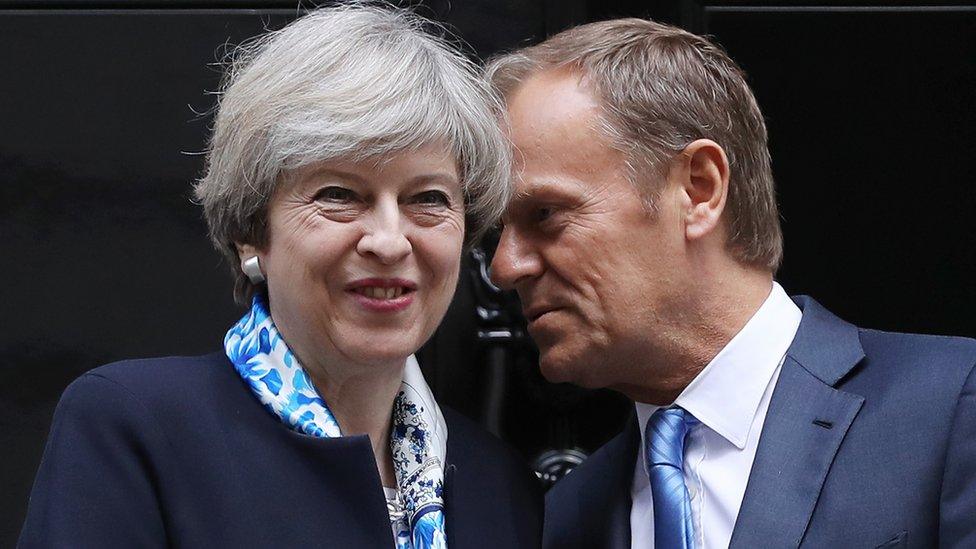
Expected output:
(103, 257)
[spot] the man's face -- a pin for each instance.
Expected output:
(598, 276)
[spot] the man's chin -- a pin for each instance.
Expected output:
(558, 367)
(554, 373)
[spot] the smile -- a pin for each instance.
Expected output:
(383, 295)
(374, 292)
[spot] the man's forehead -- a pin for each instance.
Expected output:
(527, 189)
(553, 99)
(554, 125)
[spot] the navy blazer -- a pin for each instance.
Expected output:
(869, 441)
(179, 452)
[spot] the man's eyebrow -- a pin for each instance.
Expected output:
(544, 190)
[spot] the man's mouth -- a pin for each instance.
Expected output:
(534, 314)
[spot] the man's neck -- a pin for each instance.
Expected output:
(718, 312)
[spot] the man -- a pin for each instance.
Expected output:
(642, 241)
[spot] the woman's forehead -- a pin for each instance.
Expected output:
(431, 163)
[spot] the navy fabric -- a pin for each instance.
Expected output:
(177, 452)
(869, 441)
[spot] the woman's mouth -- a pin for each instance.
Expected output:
(374, 292)
(383, 295)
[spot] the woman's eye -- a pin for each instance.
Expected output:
(431, 198)
(335, 194)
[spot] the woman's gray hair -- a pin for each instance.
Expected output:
(350, 82)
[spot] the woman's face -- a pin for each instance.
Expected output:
(363, 257)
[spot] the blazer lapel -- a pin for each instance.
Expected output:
(449, 504)
(605, 504)
(804, 427)
(489, 497)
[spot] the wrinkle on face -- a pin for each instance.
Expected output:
(313, 253)
(294, 218)
(604, 258)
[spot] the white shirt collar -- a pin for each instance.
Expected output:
(725, 395)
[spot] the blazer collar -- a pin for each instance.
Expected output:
(806, 422)
(805, 425)
(825, 345)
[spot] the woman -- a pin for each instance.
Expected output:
(351, 154)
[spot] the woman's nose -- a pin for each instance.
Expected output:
(383, 236)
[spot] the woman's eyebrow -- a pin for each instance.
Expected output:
(435, 177)
(326, 171)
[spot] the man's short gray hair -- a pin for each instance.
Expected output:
(660, 88)
(350, 82)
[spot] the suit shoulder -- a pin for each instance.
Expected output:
(931, 371)
(143, 370)
(120, 405)
(153, 375)
(168, 386)
(945, 351)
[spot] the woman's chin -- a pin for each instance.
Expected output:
(380, 353)
(370, 343)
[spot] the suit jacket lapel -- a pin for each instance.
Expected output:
(605, 504)
(489, 497)
(805, 424)
(451, 505)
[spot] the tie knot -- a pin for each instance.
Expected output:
(664, 436)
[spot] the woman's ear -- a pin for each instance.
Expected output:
(250, 259)
(704, 177)
(245, 251)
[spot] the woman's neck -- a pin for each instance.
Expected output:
(361, 399)
(359, 394)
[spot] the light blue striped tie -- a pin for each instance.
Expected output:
(664, 440)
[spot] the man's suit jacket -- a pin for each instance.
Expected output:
(869, 441)
(178, 452)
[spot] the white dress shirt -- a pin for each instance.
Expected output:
(730, 398)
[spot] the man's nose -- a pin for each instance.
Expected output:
(383, 236)
(515, 260)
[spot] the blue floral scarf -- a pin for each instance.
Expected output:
(418, 439)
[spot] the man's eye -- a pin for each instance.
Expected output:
(544, 213)
(431, 198)
(335, 194)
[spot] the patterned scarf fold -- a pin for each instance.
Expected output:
(418, 439)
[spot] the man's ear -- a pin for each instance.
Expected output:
(703, 173)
